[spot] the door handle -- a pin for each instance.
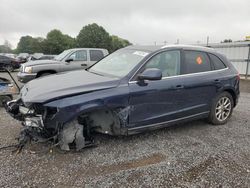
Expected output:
(84, 65)
(179, 86)
(217, 81)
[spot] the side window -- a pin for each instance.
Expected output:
(79, 55)
(96, 55)
(168, 62)
(218, 64)
(195, 61)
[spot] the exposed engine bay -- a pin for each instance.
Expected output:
(41, 125)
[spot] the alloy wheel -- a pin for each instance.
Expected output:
(223, 109)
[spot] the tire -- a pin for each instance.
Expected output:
(44, 74)
(4, 98)
(221, 109)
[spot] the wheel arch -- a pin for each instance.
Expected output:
(232, 93)
(45, 71)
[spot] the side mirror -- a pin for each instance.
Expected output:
(150, 74)
(69, 60)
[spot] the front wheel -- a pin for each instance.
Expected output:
(221, 109)
(4, 99)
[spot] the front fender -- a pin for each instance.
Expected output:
(71, 107)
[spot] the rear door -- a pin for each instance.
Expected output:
(200, 82)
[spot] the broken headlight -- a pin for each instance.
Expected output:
(35, 121)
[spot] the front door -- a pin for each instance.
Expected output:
(158, 101)
(80, 60)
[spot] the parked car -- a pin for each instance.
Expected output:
(9, 55)
(72, 59)
(23, 57)
(34, 56)
(46, 57)
(9, 63)
(42, 57)
(7, 90)
(134, 89)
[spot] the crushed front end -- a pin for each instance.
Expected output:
(40, 125)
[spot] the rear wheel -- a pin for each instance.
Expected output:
(221, 109)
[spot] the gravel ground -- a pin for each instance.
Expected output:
(195, 154)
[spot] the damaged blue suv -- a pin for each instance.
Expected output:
(134, 89)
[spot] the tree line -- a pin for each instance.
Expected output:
(90, 36)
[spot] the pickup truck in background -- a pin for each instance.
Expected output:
(68, 60)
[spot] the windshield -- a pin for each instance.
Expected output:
(119, 63)
(62, 55)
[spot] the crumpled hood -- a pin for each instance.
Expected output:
(41, 62)
(64, 84)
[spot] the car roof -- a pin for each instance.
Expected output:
(143, 48)
(75, 49)
(174, 46)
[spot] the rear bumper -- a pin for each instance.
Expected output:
(25, 77)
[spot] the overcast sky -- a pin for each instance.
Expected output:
(139, 21)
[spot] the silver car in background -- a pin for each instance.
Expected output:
(68, 60)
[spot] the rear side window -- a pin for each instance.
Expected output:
(195, 61)
(96, 55)
(218, 64)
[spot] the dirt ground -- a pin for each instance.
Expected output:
(194, 154)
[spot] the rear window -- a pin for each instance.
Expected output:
(218, 64)
(195, 61)
(96, 55)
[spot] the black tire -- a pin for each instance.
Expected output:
(221, 109)
(4, 98)
(44, 74)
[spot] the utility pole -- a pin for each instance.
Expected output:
(207, 40)
(248, 62)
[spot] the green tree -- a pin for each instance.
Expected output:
(93, 36)
(38, 45)
(56, 42)
(118, 43)
(28, 44)
(25, 45)
(90, 36)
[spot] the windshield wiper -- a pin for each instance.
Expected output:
(96, 73)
